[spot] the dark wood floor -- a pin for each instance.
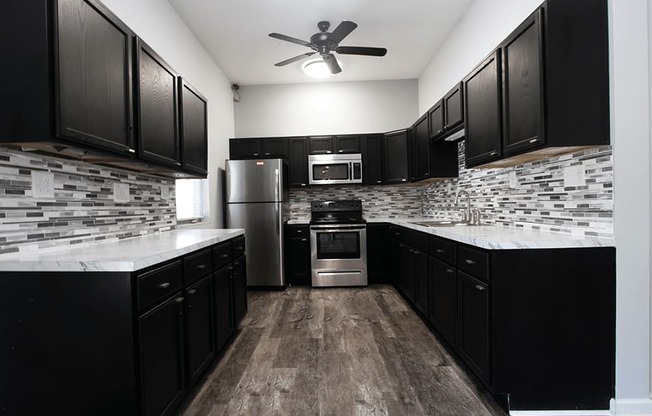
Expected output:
(359, 351)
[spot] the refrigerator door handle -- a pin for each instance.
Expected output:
(277, 183)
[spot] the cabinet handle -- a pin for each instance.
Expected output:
(403, 180)
(223, 256)
(192, 291)
(237, 263)
(480, 288)
(450, 271)
(201, 266)
(467, 261)
(230, 268)
(534, 140)
(340, 151)
(439, 250)
(299, 231)
(164, 285)
(493, 153)
(303, 184)
(179, 300)
(379, 181)
(240, 248)
(328, 151)
(304, 240)
(132, 150)
(440, 131)
(266, 153)
(255, 154)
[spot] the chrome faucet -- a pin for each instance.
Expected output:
(466, 215)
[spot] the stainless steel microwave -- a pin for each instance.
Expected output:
(335, 169)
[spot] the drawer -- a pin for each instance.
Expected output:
(298, 231)
(198, 265)
(222, 255)
(238, 247)
(158, 284)
(416, 239)
(443, 249)
(473, 261)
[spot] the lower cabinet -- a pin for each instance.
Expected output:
(200, 317)
(473, 324)
(162, 357)
(239, 289)
(297, 254)
(378, 253)
(443, 298)
(421, 292)
(224, 320)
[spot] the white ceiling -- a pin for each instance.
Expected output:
(235, 34)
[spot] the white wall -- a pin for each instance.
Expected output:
(325, 108)
(156, 22)
(486, 24)
(483, 27)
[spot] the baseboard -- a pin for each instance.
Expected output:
(560, 413)
(631, 407)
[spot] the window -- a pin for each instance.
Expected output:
(191, 199)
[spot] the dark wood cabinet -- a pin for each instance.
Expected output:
(420, 149)
(239, 294)
(297, 255)
(320, 145)
(436, 120)
(396, 160)
(372, 159)
(162, 356)
(349, 143)
(224, 321)
(453, 108)
(406, 271)
(522, 82)
(244, 149)
(482, 113)
(276, 147)
(443, 298)
(473, 329)
(94, 89)
(421, 284)
(298, 162)
(193, 125)
(157, 100)
(200, 324)
(378, 253)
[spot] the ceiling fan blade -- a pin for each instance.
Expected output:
(296, 58)
(289, 39)
(342, 31)
(361, 50)
(332, 64)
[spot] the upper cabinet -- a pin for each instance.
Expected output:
(82, 88)
(265, 148)
(447, 115)
(396, 160)
(373, 156)
(298, 162)
(420, 149)
(157, 100)
(325, 145)
(194, 129)
(320, 145)
(552, 74)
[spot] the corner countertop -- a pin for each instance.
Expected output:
(116, 256)
(495, 237)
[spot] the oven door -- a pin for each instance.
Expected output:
(338, 255)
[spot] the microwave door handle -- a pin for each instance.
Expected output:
(350, 170)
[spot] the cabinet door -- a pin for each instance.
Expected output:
(421, 293)
(321, 145)
(223, 306)
(396, 160)
(522, 57)
(372, 159)
(193, 118)
(407, 272)
(436, 120)
(347, 144)
(421, 149)
(454, 110)
(244, 148)
(298, 260)
(274, 148)
(473, 312)
(239, 289)
(482, 101)
(298, 162)
(158, 138)
(378, 253)
(162, 358)
(93, 69)
(200, 315)
(443, 290)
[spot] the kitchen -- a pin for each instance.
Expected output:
(486, 24)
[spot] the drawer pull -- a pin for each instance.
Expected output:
(439, 250)
(192, 291)
(240, 248)
(480, 288)
(164, 285)
(450, 271)
(303, 240)
(299, 231)
(224, 256)
(467, 261)
(266, 153)
(179, 300)
(201, 266)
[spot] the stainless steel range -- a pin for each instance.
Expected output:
(338, 244)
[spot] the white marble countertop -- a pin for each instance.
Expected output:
(117, 256)
(494, 237)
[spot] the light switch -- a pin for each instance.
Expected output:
(42, 184)
(120, 192)
(574, 176)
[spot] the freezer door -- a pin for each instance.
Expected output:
(263, 225)
(254, 180)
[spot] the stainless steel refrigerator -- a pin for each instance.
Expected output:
(256, 201)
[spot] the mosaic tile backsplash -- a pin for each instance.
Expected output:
(570, 194)
(85, 206)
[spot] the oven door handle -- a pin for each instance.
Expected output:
(337, 228)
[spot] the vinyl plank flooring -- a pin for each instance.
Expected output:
(337, 351)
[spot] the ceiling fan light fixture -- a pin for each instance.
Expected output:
(317, 69)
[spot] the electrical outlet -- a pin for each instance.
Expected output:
(42, 184)
(574, 176)
(120, 192)
(165, 192)
(513, 182)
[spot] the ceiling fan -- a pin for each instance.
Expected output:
(325, 42)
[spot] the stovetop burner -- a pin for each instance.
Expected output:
(347, 211)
